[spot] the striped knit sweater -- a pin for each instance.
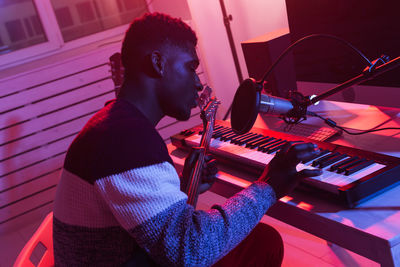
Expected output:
(119, 198)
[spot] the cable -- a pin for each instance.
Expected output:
(333, 124)
(287, 50)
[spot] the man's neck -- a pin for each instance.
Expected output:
(142, 96)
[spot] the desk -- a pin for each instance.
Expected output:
(372, 229)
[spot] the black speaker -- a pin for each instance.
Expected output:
(261, 52)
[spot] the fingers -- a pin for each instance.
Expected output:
(193, 156)
(210, 169)
(295, 153)
(307, 155)
(309, 173)
(285, 148)
(204, 187)
(210, 162)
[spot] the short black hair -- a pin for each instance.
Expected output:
(153, 30)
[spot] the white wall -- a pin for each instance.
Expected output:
(250, 19)
(175, 8)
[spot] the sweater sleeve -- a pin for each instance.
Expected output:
(148, 203)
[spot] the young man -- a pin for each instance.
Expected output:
(119, 200)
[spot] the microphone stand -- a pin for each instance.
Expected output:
(300, 102)
(227, 20)
(367, 74)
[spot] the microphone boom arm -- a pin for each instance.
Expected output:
(368, 73)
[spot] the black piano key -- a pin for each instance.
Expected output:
(217, 128)
(187, 132)
(350, 164)
(255, 138)
(260, 142)
(243, 135)
(240, 137)
(358, 167)
(220, 132)
(261, 147)
(227, 135)
(322, 153)
(247, 139)
(335, 166)
(276, 147)
(317, 162)
(332, 160)
(271, 145)
(226, 130)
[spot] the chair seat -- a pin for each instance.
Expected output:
(44, 236)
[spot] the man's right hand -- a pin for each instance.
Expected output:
(281, 173)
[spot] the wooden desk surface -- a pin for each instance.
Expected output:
(372, 229)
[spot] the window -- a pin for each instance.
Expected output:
(78, 18)
(20, 25)
(29, 28)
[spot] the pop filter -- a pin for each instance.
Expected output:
(249, 102)
(245, 106)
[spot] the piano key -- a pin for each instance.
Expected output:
(216, 128)
(321, 154)
(235, 140)
(265, 146)
(334, 167)
(248, 143)
(227, 136)
(260, 146)
(274, 147)
(218, 133)
(228, 132)
(260, 142)
(254, 139)
(243, 140)
(358, 167)
(187, 132)
(318, 161)
(249, 138)
(350, 164)
(332, 160)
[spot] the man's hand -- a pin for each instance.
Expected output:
(281, 173)
(209, 170)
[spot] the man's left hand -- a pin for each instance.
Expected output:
(209, 170)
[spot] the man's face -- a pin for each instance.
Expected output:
(180, 83)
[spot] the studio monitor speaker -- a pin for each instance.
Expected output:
(261, 52)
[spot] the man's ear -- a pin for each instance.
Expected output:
(158, 62)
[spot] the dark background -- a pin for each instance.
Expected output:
(372, 26)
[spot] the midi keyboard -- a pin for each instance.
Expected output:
(350, 176)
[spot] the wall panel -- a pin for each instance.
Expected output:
(41, 112)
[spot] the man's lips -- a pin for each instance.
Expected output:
(196, 101)
(194, 104)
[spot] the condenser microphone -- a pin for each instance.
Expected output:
(249, 101)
